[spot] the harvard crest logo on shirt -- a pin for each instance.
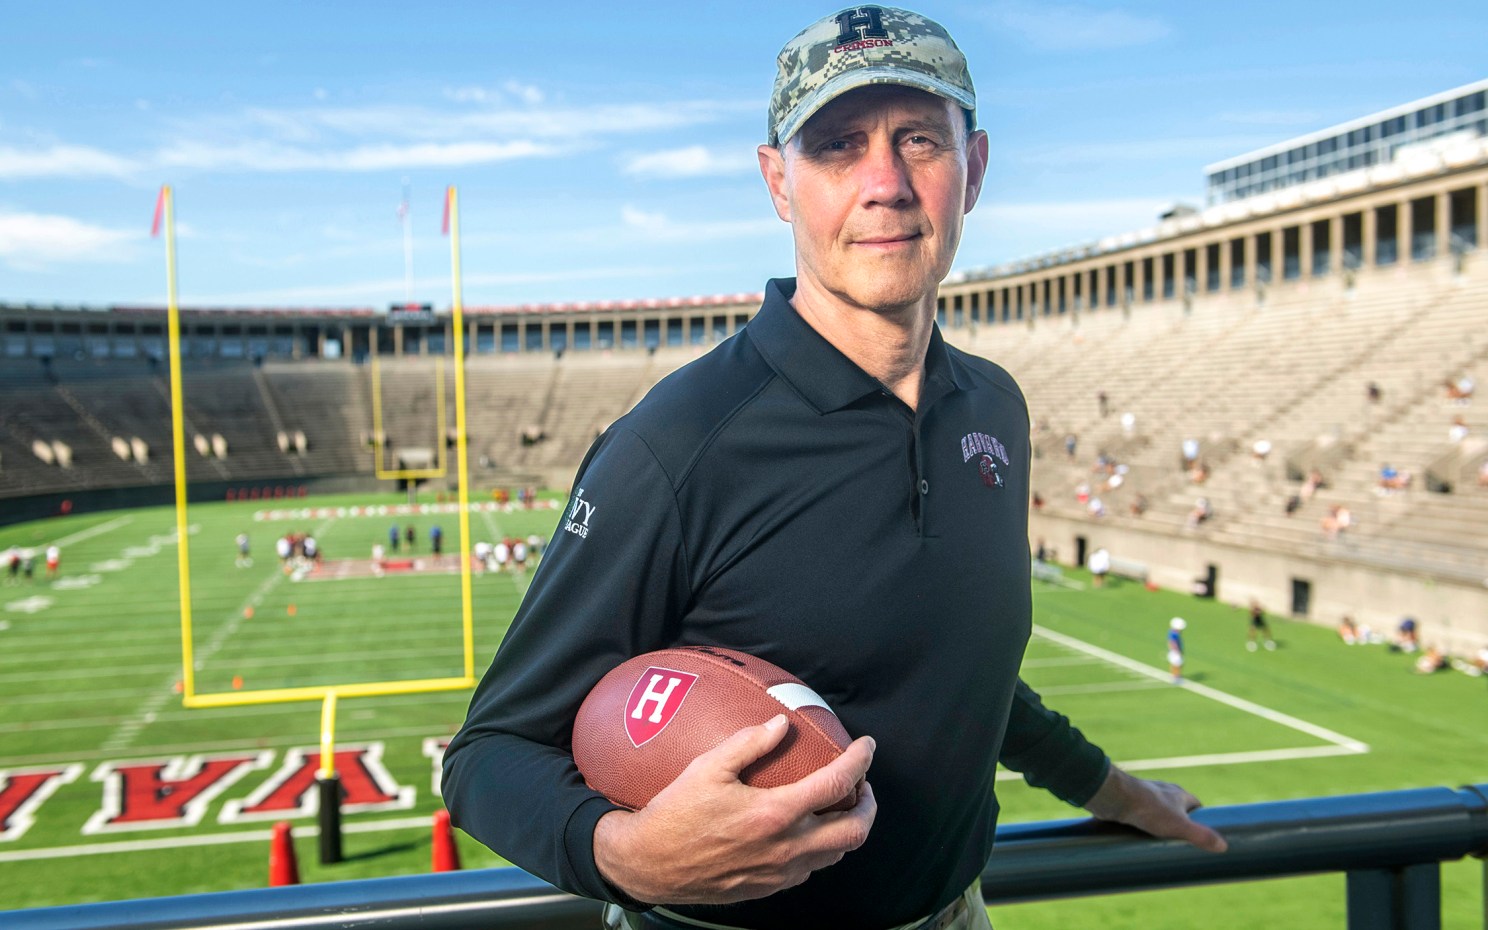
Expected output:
(990, 455)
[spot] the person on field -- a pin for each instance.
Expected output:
(838, 425)
(1176, 626)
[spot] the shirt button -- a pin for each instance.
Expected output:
(924, 486)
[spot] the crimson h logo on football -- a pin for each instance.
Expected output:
(654, 701)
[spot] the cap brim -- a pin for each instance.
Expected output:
(863, 77)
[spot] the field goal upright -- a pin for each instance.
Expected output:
(326, 693)
(380, 444)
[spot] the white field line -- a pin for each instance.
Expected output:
(149, 710)
(89, 533)
(210, 839)
(1104, 686)
(1249, 707)
(1061, 660)
(1216, 758)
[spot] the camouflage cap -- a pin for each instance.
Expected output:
(860, 46)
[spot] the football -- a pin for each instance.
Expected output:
(650, 716)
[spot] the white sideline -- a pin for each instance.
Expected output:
(89, 533)
(1216, 758)
(1249, 707)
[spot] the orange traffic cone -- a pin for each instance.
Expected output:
(237, 682)
(283, 870)
(446, 853)
(291, 610)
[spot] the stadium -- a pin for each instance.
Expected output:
(1269, 399)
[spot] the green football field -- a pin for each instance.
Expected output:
(90, 663)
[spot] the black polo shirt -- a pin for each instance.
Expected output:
(773, 497)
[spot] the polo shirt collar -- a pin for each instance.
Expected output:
(819, 372)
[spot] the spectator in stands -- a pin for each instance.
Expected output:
(1312, 484)
(1392, 479)
(1460, 390)
(1138, 504)
(1128, 423)
(1176, 626)
(1374, 393)
(1293, 504)
(1458, 430)
(1336, 520)
(1103, 402)
(1260, 449)
(1096, 507)
(1040, 552)
(1070, 442)
(1483, 474)
(1408, 635)
(1199, 473)
(1348, 631)
(1258, 629)
(1190, 453)
(1200, 513)
(1038, 501)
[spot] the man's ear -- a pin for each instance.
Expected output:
(976, 167)
(772, 169)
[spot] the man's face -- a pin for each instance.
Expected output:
(875, 186)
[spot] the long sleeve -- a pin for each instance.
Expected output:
(1049, 752)
(611, 585)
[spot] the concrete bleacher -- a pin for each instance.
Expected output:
(1290, 367)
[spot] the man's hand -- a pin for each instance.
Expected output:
(1155, 807)
(708, 838)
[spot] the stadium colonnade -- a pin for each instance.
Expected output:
(1253, 321)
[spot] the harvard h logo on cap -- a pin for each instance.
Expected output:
(859, 46)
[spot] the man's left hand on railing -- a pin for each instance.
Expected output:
(1158, 808)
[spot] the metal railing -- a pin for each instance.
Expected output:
(1390, 844)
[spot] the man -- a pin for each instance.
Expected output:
(838, 424)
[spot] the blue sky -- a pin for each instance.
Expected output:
(605, 150)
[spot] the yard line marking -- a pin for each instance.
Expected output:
(149, 711)
(1216, 758)
(213, 839)
(89, 533)
(1100, 687)
(1062, 660)
(1249, 707)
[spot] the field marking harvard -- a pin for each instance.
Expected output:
(210, 839)
(1339, 745)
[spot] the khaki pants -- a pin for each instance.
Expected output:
(969, 913)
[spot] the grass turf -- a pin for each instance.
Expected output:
(88, 678)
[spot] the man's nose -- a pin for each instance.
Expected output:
(884, 176)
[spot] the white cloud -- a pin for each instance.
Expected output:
(62, 161)
(658, 226)
(34, 241)
(1142, 150)
(267, 156)
(1074, 28)
(527, 93)
(690, 162)
(1001, 232)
